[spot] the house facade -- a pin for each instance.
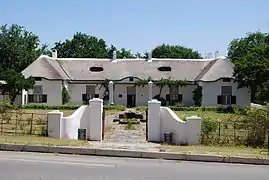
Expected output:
(118, 81)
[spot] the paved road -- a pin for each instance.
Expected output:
(34, 166)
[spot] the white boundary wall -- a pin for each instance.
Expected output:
(86, 117)
(163, 119)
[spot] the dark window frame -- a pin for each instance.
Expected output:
(96, 69)
(38, 78)
(226, 79)
(165, 68)
(37, 98)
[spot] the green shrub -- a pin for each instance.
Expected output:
(218, 109)
(68, 107)
(257, 121)
(115, 107)
(65, 95)
(208, 128)
(4, 106)
(141, 108)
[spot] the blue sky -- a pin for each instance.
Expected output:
(140, 25)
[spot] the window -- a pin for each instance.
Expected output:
(174, 98)
(226, 97)
(131, 79)
(38, 78)
(37, 98)
(96, 69)
(96, 96)
(164, 68)
(120, 95)
(226, 90)
(226, 80)
(37, 90)
(173, 90)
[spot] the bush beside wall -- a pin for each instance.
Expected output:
(67, 107)
(195, 108)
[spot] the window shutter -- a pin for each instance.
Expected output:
(167, 97)
(180, 98)
(219, 100)
(30, 98)
(84, 97)
(233, 100)
(44, 98)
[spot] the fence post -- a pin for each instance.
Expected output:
(16, 122)
(31, 125)
(268, 139)
(219, 131)
(2, 124)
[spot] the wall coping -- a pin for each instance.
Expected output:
(154, 101)
(96, 100)
(194, 118)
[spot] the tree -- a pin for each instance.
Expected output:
(175, 51)
(82, 46)
(121, 54)
(15, 82)
(18, 47)
(250, 55)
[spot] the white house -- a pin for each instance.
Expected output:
(84, 79)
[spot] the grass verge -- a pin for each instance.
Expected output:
(239, 151)
(37, 140)
(206, 115)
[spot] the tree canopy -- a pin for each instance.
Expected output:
(250, 55)
(15, 82)
(175, 51)
(18, 47)
(122, 53)
(82, 46)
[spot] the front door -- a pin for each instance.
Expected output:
(131, 96)
(90, 91)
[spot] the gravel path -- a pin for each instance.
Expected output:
(116, 132)
(119, 136)
(119, 133)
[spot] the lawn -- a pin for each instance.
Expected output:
(206, 115)
(30, 121)
(66, 112)
(240, 151)
(37, 140)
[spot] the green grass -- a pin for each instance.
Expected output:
(37, 140)
(30, 121)
(129, 126)
(240, 151)
(206, 115)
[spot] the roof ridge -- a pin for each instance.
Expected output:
(206, 69)
(63, 69)
(48, 62)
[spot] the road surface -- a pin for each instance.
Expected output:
(35, 166)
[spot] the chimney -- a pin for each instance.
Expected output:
(149, 56)
(216, 54)
(210, 56)
(54, 54)
(114, 55)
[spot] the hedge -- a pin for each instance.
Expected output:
(194, 108)
(66, 107)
